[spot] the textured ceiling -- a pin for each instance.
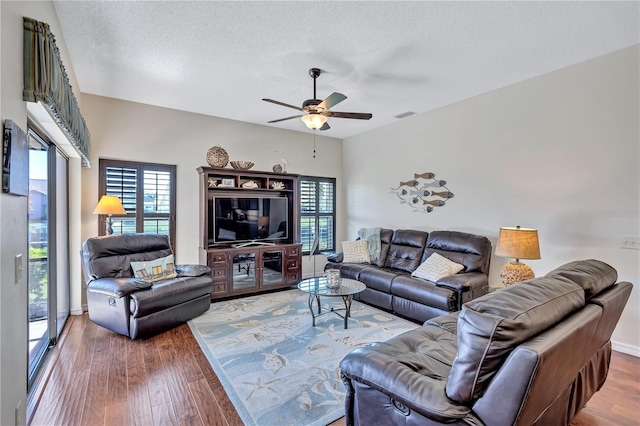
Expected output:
(221, 58)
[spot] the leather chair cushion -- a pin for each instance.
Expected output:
(411, 368)
(406, 250)
(592, 275)
(466, 249)
(490, 326)
(424, 292)
(110, 256)
(168, 293)
(378, 278)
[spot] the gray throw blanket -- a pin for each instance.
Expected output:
(372, 235)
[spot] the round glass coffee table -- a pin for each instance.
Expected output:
(317, 287)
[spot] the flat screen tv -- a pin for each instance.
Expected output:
(241, 219)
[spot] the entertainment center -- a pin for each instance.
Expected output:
(249, 228)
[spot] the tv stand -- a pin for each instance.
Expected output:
(253, 266)
(253, 243)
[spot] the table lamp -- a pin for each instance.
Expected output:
(109, 205)
(518, 243)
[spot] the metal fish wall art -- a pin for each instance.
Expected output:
(423, 192)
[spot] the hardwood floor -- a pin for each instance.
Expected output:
(96, 377)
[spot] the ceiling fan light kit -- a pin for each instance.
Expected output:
(317, 111)
(314, 121)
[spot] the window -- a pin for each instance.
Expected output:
(148, 194)
(317, 213)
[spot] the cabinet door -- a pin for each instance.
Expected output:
(273, 267)
(243, 267)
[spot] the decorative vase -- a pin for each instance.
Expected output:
(333, 279)
(217, 157)
(277, 168)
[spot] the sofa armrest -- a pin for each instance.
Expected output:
(118, 287)
(192, 270)
(464, 281)
(335, 257)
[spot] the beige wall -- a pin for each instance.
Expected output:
(13, 210)
(138, 132)
(559, 153)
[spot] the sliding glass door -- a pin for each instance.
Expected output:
(48, 248)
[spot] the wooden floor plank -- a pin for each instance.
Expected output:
(182, 388)
(208, 407)
(183, 404)
(137, 387)
(163, 414)
(156, 383)
(96, 398)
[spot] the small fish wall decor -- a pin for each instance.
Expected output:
(423, 192)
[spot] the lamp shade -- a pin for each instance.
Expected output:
(109, 204)
(518, 243)
(314, 121)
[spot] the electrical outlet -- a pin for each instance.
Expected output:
(629, 242)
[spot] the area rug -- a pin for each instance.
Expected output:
(275, 366)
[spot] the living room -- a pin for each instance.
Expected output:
(558, 152)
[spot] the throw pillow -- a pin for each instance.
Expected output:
(155, 270)
(437, 267)
(356, 251)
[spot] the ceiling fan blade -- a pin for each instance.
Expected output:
(283, 119)
(282, 103)
(325, 126)
(334, 99)
(355, 115)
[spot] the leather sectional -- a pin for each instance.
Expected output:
(529, 354)
(391, 287)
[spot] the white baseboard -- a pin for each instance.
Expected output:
(625, 349)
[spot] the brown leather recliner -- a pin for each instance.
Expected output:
(529, 354)
(133, 307)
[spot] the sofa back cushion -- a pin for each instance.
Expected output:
(490, 326)
(111, 256)
(471, 251)
(406, 249)
(592, 275)
(386, 235)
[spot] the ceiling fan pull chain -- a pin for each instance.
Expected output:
(314, 143)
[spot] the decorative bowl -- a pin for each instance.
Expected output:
(241, 165)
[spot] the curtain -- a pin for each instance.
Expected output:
(46, 81)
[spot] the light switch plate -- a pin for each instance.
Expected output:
(629, 242)
(19, 268)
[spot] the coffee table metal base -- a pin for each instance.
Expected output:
(323, 310)
(317, 287)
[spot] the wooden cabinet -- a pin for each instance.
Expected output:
(243, 270)
(251, 246)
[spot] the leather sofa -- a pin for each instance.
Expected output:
(134, 307)
(530, 354)
(391, 287)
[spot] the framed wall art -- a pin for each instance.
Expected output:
(15, 160)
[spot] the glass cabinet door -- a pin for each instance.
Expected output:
(244, 271)
(272, 267)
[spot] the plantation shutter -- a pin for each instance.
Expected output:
(317, 213)
(147, 193)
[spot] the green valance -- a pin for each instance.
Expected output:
(46, 81)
